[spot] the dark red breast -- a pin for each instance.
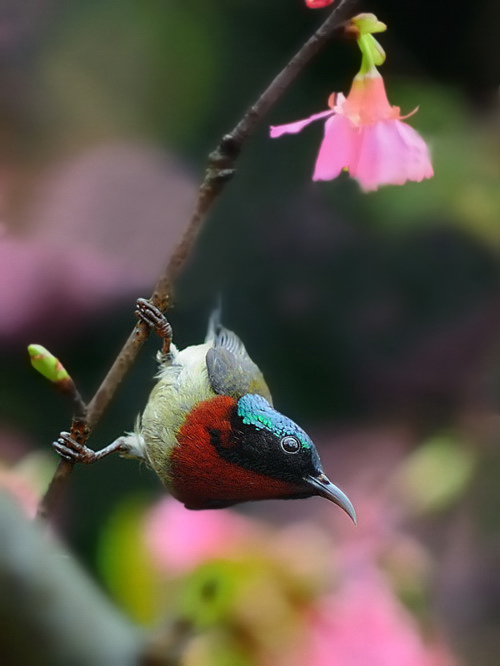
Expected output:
(201, 478)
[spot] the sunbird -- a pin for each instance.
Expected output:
(210, 431)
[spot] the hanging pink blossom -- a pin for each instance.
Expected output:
(364, 134)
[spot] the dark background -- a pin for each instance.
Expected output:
(367, 313)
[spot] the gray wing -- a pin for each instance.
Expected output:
(231, 371)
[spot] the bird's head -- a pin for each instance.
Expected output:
(239, 450)
(272, 444)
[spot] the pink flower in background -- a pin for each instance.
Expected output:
(364, 623)
(81, 249)
(41, 284)
(287, 596)
(26, 479)
(21, 490)
(179, 539)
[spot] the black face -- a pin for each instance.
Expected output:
(269, 443)
(266, 442)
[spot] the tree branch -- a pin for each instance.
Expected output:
(78, 431)
(220, 169)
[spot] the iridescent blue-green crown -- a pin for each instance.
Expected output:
(256, 411)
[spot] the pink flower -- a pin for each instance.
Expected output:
(27, 478)
(95, 197)
(179, 540)
(316, 4)
(364, 135)
(21, 490)
(364, 623)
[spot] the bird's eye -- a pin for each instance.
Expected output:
(290, 444)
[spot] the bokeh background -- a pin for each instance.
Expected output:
(375, 317)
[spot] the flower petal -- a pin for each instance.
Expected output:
(367, 103)
(391, 152)
(337, 149)
(294, 128)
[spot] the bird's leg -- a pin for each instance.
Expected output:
(76, 452)
(156, 320)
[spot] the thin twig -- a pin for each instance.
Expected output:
(65, 467)
(220, 170)
(56, 486)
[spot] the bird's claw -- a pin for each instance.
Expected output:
(73, 451)
(153, 317)
(157, 322)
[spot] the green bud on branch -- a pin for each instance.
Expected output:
(47, 364)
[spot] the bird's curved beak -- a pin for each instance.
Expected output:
(325, 488)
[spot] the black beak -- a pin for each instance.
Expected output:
(325, 488)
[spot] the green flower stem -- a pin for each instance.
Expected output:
(372, 54)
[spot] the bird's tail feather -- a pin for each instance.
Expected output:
(214, 322)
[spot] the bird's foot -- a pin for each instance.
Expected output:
(73, 451)
(157, 322)
(76, 452)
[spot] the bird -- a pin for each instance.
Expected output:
(210, 431)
